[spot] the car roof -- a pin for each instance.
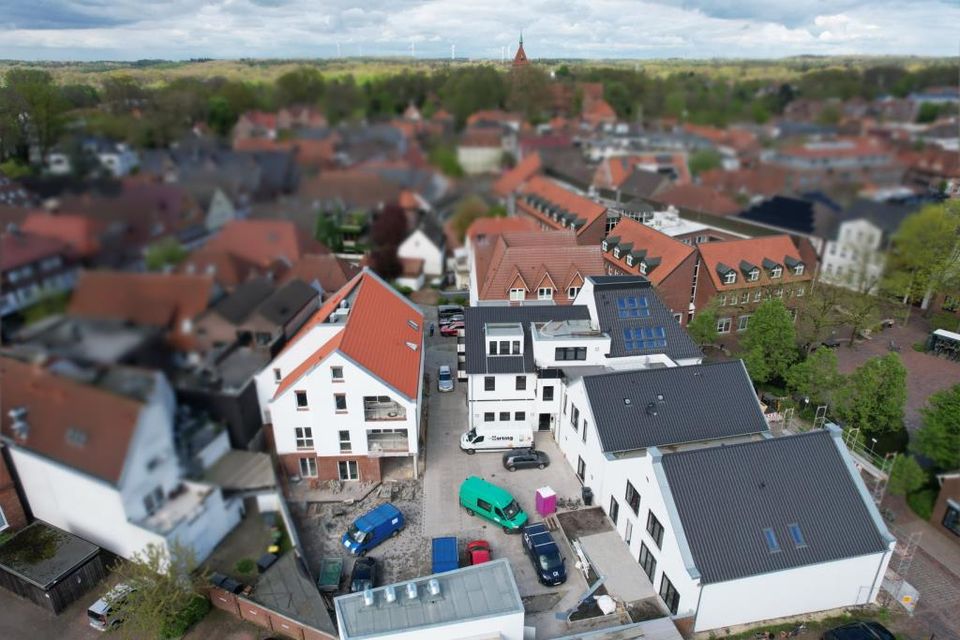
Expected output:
(493, 492)
(445, 367)
(377, 515)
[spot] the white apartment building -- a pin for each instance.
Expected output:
(856, 256)
(346, 390)
(94, 452)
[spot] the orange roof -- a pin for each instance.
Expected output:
(598, 111)
(79, 232)
(531, 258)
(511, 180)
(765, 180)
(489, 227)
(737, 139)
(376, 334)
(545, 189)
(659, 247)
(481, 137)
(838, 148)
(152, 299)
(753, 251)
(612, 172)
(494, 115)
(17, 249)
(698, 198)
(56, 405)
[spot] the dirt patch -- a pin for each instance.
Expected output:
(584, 522)
(641, 610)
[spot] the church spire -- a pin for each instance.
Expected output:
(520, 59)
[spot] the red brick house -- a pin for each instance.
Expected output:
(557, 208)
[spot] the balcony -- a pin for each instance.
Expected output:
(388, 442)
(186, 503)
(382, 408)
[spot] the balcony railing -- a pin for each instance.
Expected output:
(396, 442)
(374, 411)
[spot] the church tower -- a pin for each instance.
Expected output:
(520, 60)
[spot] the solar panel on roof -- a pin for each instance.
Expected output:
(642, 338)
(633, 307)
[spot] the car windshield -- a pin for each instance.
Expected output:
(355, 534)
(511, 510)
(444, 376)
(550, 561)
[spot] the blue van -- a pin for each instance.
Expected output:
(372, 528)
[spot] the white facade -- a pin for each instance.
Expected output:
(119, 160)
(855, 258)
(477, 160)
(419, 246)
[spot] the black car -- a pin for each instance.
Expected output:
(364, 574)
(859, 631)
(525, 459)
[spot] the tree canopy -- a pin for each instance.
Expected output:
(816, 378)
(926, 257)
(939, 439)
(874, 396)
(703, 327)
(769, 345)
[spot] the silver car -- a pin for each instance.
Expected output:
(444, 379)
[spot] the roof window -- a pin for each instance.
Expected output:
(796, 535)
(771, 538)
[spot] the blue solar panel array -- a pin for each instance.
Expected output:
(640, 338)
(633, 307)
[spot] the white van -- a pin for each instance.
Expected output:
(495, 439)
(99, 615)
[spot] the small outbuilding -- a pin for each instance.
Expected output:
(49, 566)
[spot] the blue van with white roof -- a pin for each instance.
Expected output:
(372, 528)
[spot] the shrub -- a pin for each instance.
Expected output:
(190, 615)
(245, 565)
(922, 502)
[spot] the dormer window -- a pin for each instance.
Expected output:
(776, 272)
(517, 295)
(730, 277)
(629, 261)
(616, 252)
(798, 270)
(754, 275)
(643, 268)
(545, 293)
(604, 246)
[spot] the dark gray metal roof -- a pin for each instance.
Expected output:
(476, 317)
(727, 495)
(237, 307)
(287, 301)
(606, 292)
(689, 404)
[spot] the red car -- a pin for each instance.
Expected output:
(451, 329)
(478, 551)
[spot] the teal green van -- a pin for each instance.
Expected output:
(479, 497)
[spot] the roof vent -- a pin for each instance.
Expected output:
(390, 593)
(19, 425)
(411, 591)
(368, 598)
(411, 346)
(434, 587)
(651, 408)
(627, 401)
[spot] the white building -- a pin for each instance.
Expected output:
(425, 243)
(116, 158)
(94, 451)
(346, 390)
(518, 360)
(480, 601)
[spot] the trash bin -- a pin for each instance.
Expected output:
(587, 494)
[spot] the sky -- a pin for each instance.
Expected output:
(183, 29)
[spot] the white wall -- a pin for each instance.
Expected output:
(205, 531)
(418, 245)
(476, 160)
(854, 259)
(505, 627)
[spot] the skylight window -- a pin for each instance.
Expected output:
(76, 437)
(772, 545)
(797, 535)
(633, 307)
(643, 338)
(413, 325)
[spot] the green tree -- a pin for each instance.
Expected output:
(220, 115)
(473, 89)
(468, 210)
(328, 231)
(859, 311)
(444, 157)
(168, 593)
(769, 345)
(816, 378)
(873, 397)
(163, 254)
(529, 92)
(818, 316)
(928, 112)
(703, 327)
(906, 476)
(939, 439)
(35, 96)
(704, 160)
(303, 85)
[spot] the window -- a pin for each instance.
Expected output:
(581, 469)
(521, 383)
(489, 416)
(3, 520)
(345, 446)
(583, 433)
(301, 399)
(647, 561)
(951, 519)
(729, 277)
(722, 299)
(779, 293)
(629, 260)
(640, 338)
(572, 292)
(800, 291)
(545, 293)
(632, 498)
(277, 377)
(776, 272)
(798, 270)
(796, 535)
(493, 347)
(153, 500)
(754, 275)
(304, 437)
(655, 529)
(308, 467)
(336, 374)
(614, 511)
(669, 595)
(348, 470)
(570, 353)
(504, 347)
(643, 268)
(633, 307)
(628, 532)
(519, 416)
(489, 383)
(548, 394)
(742, 323)
(517, 295)
(504, 416)
(723, 325)
(678, 317)
(757, 295)
(340, 401)
(516, 347)
(574, 416)
(745, 298)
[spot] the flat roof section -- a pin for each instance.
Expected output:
(43, 555)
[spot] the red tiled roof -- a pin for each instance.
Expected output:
(262, 144)
(698, 198)
(491, 227)
(583, 207)
(671, 252)
(375, 335)
(738, 139)
(19, 248)
(598, 111)
(839, 148)
(494, 115)
(765, 180)
(534, 256)
(79, 232)
(752, 250)
(152, 299)
(356, 188)
(330, 271)
(612, 172)
(262, 119)
(512, 179)
(55, 404)
(485, 137)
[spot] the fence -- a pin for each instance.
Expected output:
(261, 616)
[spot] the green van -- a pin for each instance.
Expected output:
(478, 496)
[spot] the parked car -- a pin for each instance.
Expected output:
(100, 614)
(482, 498)
(445, 555)
(496, 439)
(444, 379)
(525, 459)
(544, 553)
(364, 574)
(861, 630)
(446, 311)
(478, 551)
(372, 528)
(451, 329)
(457, 317)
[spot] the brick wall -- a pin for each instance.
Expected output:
(13, 511)
(263, 617)
(327, 467)
(949, 489)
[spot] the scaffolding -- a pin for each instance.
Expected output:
(875, 468)
(820, 418)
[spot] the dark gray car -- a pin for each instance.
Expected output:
(525, 459)
(364, 574)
